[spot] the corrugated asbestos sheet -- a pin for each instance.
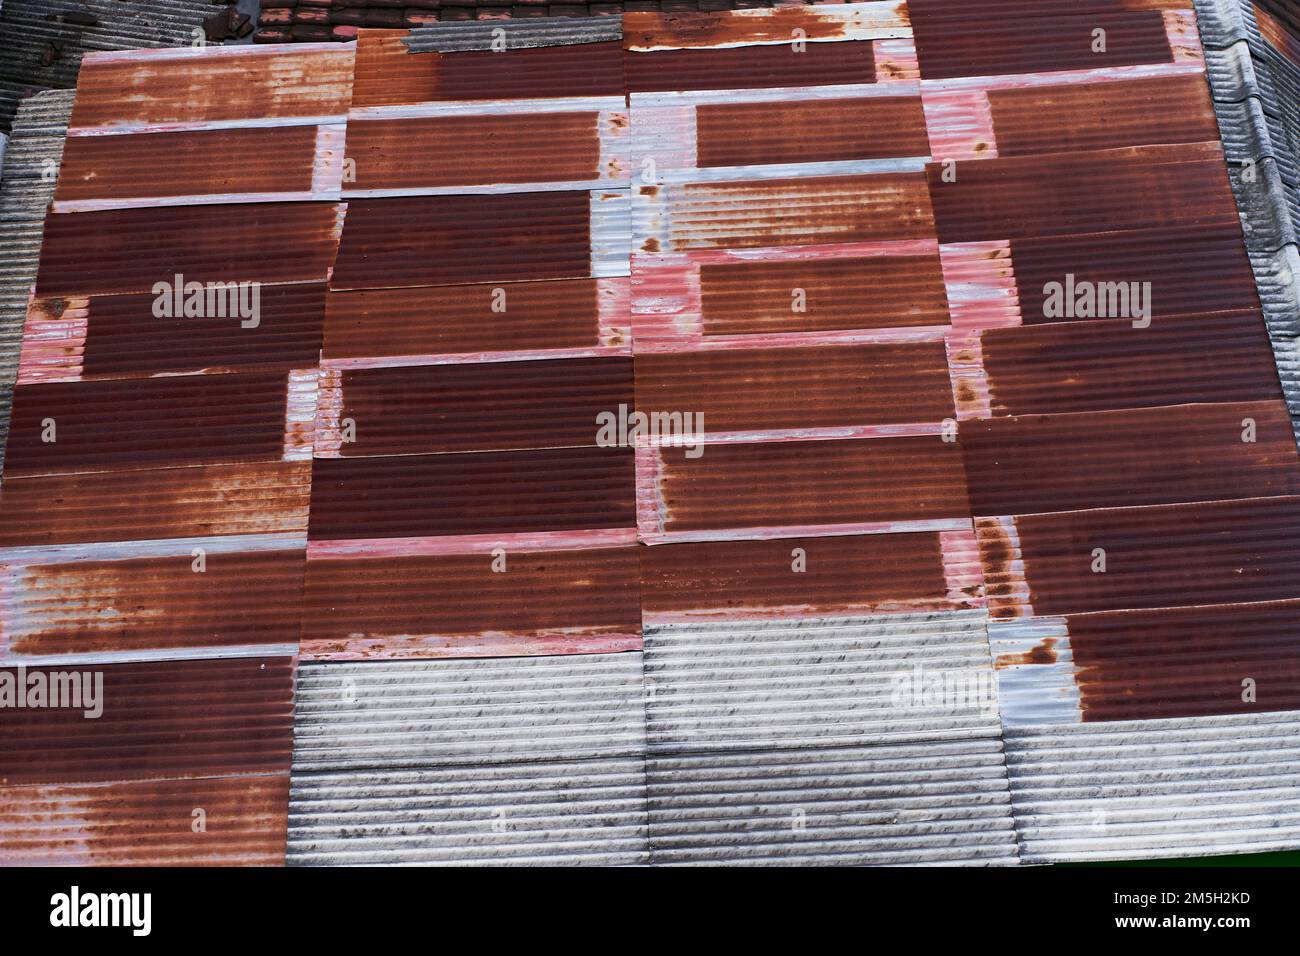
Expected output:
(839, 434)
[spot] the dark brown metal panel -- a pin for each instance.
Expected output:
(1036, 463)
(1192, 269)
(868, 292)
(1092, 366)
(388, 74)
(466, 150)
(559, 489)
(147, 823)
(130, 250)
(106, 425)
(98, 605)
(1067, 117)
(820, 387)
(1063, 193)
(1186, 661)
(430, 240)
(200, 163)
(789, 483)
(450, 320)
(119, 336)
(202, 501)
(983, 38)
(149, 87)
(160, 719)
(717, 28)
(1158, 556)
(459, 605)
(750, 67)
(812, 130)
(481, 406)
(842, 574)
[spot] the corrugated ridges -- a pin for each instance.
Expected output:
(515, 34)
(1166, 788)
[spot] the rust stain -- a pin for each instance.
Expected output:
(1044, 652)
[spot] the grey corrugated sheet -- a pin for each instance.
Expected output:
(516, 34)
(814, 681)
(27, 183)
(924, 802)
(28, 27)
(489, 760)
(1156, 788)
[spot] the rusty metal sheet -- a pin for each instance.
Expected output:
(1107, 364)
(646, 30)
(119, 336)
(1038, 463)
(191, 87)
(699, 298)
(147, 822)
(851, 389)
(1056, 194)
(1216, 552)
(841, 574)
(492, 493)
(388, 74)
(69, 427)
(527, 598)
(161, 719)
(201, 166)
(429, 325)
(739, 489)
(444, 240)
(194, 502)
(113, 598)
(477, 406)
(582, 146)
(767, 66)
(85, 253)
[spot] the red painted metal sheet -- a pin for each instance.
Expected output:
(155, 88)
(161, 719)
(476, 321)
(559, 489)
(1216, 552)
(519, 601)
(147, 823)
(1057, 194)
(479, 406)
(107, 425)
(799, 388)
(1107, 364)
(192, 502)
(1036, 463)
(119, 336)
(1186, 662)
(131, 250)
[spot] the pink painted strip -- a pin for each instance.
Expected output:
(1184, 37)
(402, 361)
(300, 414)
(54, 346)
(962, 571)
(1017, 81)
(789, 531)
(959, 124)
(351, 548)
(896, 60)
(970, 383)
(981, 283)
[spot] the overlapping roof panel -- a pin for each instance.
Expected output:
(986, 440)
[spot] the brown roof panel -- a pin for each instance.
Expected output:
(107, 425)
(842, 574)
(823, 386)
(1215, 552)
(160, 719)
(130, 250)
(841, 484)
(554, 489)
(715, 29)
(478, 406)
(1147, 456)
(193, 502)
(118, 336)
(186, 86)
(1092, 366)
(147, 823)
(476, 321)
(521, 601)
(1187, 661)
(751, 67)
(1061, 193)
